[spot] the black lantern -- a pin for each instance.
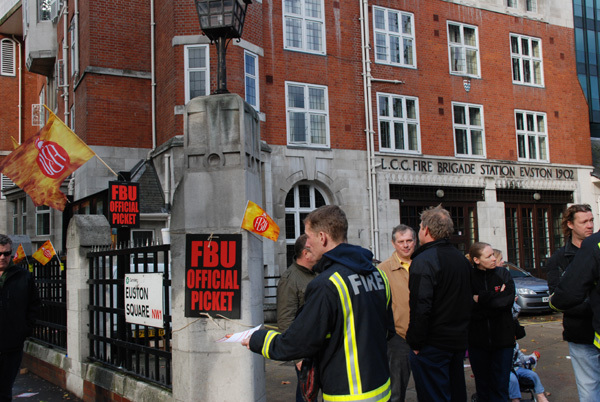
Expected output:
(221, 21)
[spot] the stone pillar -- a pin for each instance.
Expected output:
(84, 231)
(221, 172)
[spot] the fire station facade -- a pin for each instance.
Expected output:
(382, 107)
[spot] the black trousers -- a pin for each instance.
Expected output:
(9, 368)
(398, 351)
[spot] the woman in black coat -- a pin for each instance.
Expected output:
(491, 331)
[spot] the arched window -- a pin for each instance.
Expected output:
(7, 57)
(299, 202)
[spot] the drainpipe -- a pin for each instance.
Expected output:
(153, 73)
(372, 179)
(65, 94)
(20, 106)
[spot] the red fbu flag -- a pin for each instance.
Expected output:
(257, 221)
(44, 161)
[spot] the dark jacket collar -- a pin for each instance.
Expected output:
(429, 245)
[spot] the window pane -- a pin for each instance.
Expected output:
(475, 116)
(459, 115)
(293, 30)
(408, 52)
(454, 33)
(541, 126)
(383, 106)
(380, 47)
(543, 155)
(470, 37)
(457, 59)
(477, 142)
(521, 143)
(461, 141)
(514, 44)
(314, 38)
(316, 98)
(406, 24)
(250, 65)
(412, 137)
(530, 126)
(393, 23)
(516, 69)
(532, 147)
(292, 6)
(472, 62)
(411, 109)
(313, 8)
(295, 96)
(304, 196)
(537, 72)
(524, 46)
(384, 132)
(319, 200)
(397, 107)
(520, 125)
(197, 57)
(197, 83)
(379, 19)
(297, 127)
(399, 135)
(395, 49)
(535, 48)
(527, 70)
(318, 129)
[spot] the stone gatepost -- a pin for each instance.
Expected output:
(221, 173)
(84, 232)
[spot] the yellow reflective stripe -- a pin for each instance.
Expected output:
(267, 343)
(354, 382)
(597, 340)
(382, 393)
(388, 293)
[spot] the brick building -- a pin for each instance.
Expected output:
(383, 107)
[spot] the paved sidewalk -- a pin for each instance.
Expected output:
(544, 334)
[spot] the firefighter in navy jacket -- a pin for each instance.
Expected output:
(346, 319)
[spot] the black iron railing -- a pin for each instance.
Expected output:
(135, 349)
(51, 280)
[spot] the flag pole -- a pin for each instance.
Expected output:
(95, 154)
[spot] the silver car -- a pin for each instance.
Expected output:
(532, 293)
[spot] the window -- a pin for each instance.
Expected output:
(196, 71)
(251, 71)
(7, 57)
(463, 49)
(532, 137)
(6, 183)
(469, 139)
(42, 220)
(394, 37)
(15, 223)
(531, 5)
(512, 3)
(398, 123)
(48, 9)
(23, 216)
(304, 25)
(526, 53)
(299, 202)
(307, 114)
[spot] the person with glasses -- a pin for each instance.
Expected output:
(19, 306)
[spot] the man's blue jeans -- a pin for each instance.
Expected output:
(586, 365)
(439, 375)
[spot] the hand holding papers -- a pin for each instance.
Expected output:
(239, 336)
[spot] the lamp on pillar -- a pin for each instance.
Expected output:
(221, 21)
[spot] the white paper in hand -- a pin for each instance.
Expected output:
(239, 336)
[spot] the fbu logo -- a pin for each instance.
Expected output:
(52, 159)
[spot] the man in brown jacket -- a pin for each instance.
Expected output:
(396, 268)
(291, 288)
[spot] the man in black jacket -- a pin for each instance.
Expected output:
(440, 310)
(346, 319)
(19, 305)
(577, 224)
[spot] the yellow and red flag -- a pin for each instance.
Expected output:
(257, 221)
(44, 161)
(45, 253)
(19, 255)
